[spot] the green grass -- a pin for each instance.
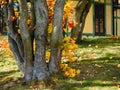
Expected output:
(98, 67)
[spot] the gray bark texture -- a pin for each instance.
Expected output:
(33, 63)
(41, 13)
(14, 38)
(26, 39)
(57, 35)
(81, 12)
(82, 21)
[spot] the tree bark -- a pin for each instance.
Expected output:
(82, 9)
(56, 38)
(13, 37)
(41, 13)
(33, 64)
(18, 58)
(26, 39)
(82, 21)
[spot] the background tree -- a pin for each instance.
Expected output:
(24, 28)
(81, 11)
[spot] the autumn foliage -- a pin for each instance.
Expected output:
(69, 45)
(68, 20)
(4, 46)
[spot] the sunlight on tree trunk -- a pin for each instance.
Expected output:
(26, 39)
(56, 38)
(82, 10)
(82, 21)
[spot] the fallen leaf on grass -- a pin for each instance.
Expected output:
(96, 46)
(97, 65)
(118, 86)
(6, 79)
(106, 61)
(118, 65)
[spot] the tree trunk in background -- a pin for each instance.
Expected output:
(82, 9)
(41, 13)
(82, 21)
(56, 38)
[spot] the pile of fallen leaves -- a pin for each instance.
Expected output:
(4, 47)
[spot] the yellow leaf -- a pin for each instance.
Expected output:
(82, 51)
(65, 60)
(63, 66)
(28, 21)
(80, 59)
(89, 45)
(110, 57)
(72, 75)
(47, 55)
(78, 71)
(118, 65)
(97, 65)
(66, 73)
(71, 59)
(71, 71)
(96, 46)
(106, 61)
(50, 29)
(16, 14)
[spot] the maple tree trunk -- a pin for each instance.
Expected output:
(41, 13)
(57, 35)
(27, 43)
(32, 63)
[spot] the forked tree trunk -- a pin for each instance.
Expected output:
(33, 63)
(56, 38)
(26, 39)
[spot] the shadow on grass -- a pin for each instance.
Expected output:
(102, 72)
(86, 84)
(5, 77)
(99, 41)
(4, 74)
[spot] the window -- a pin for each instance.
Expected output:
(116, 3)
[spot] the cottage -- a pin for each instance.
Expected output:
(103, 18)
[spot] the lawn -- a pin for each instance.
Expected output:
(98, 59)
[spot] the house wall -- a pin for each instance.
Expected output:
(88, 28)
(117, 26)
(89, 24)
(108, 21)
